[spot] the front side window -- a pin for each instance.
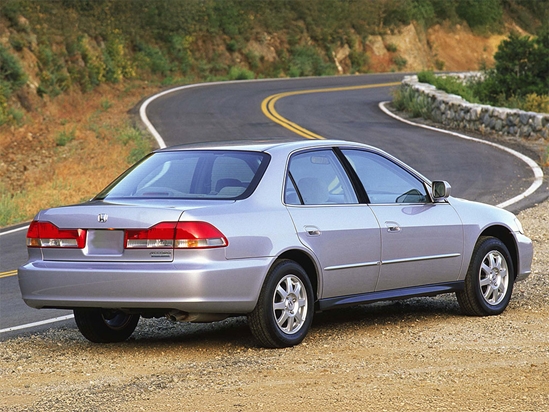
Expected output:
(385, 182)
(191, 175)
(317, 178)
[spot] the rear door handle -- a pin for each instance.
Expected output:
(392, 227)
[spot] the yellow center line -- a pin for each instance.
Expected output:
(8, 273)
(268, 107)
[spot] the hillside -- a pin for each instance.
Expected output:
(70, 70)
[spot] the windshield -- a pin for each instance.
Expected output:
(205, 174)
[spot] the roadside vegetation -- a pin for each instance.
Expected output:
(518, 80)
(70, 70)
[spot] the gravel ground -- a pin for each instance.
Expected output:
(413, 355)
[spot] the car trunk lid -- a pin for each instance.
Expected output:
(106, 226)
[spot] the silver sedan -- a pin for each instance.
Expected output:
(272, 230)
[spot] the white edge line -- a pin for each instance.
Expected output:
(161, 144)
(143, 108)
(538, 173)
(14, 230)
(34, 324)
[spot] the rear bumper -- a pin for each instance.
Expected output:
(230, 286)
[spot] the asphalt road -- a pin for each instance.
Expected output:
(232, 111)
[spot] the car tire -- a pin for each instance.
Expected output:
(105, 326)
(489, 280)
(284, 311)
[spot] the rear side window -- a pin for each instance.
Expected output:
(191, 175)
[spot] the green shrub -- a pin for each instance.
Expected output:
(105, 104)
(4, 109)
(54, 77)
(11, 73)
(439, 64)
(12, 10)
(179, 48)
(400, 62)
(359, 61)
(232, 46)
(254, 60)
(17, 116)
(424, 13)
(239, 73)
(307, 61)
(118, 64)
(521, 67)
(18, 41)
(449, 84)
(12, 78)
(64, 137)
(536, 103)
(95, 68)
(392, 48)
(152, 59)
(408, 100)
(482, 16)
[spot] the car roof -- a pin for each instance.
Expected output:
(266, 145)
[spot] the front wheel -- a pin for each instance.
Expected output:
(105, 325)
(284, 311)
(489, 280)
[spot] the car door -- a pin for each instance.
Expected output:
(343, 234)
(422, 241)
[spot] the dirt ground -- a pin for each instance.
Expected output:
(413, 355)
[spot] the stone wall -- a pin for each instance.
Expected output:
(455, 112)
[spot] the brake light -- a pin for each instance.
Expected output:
(46, 234)
(176, 235)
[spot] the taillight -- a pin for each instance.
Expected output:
(46, 234)
(176, 235)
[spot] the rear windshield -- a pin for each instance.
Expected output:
(204, 174)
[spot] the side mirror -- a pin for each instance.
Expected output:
(441, 190)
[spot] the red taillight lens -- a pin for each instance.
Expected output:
(178, 235)
(198, 235)
(46, 234)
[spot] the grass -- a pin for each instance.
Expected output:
(10, 212)
(103, 143)
(470, 91)
(64, 137)
(138, 143)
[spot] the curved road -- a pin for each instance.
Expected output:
(233, 111)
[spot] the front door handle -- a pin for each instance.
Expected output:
(312, 231)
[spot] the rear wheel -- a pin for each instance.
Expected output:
(105, 325)
(489, 280)
(284, 311)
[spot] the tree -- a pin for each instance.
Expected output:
(514, 67)
(541, 61)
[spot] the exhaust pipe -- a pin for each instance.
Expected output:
(177, 316)
(180, 316)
